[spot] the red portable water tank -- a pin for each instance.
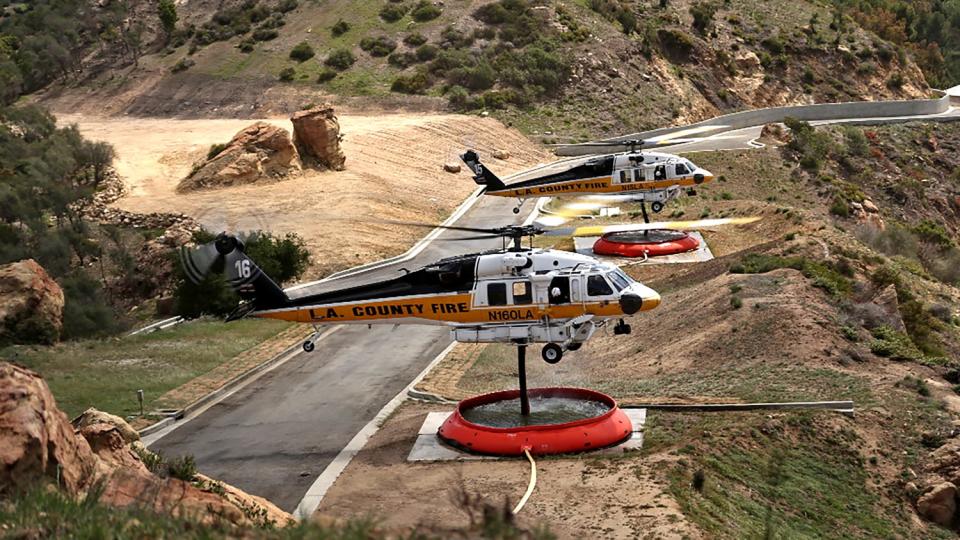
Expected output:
(652, 243)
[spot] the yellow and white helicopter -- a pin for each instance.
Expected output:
(515, 295)
(653, 177)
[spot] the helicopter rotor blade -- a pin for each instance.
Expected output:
(599, 230)
(435, 226)
(478, 237)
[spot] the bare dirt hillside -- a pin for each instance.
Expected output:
(394, 172)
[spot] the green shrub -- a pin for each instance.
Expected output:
(425, 11)
(736, 302)
(402, 59)
(933, 232)
(246, 45)
(416, 83)
(302, 52)
(889, 343)
(675, 42)
(895, 81)
(182, 65)
(378, 46)
(340, 28)
(326, 74)
(415, 39)
(183, 468)
(839, 207)
(773, 44)
(479, 77)
(340, 59)
(703, 13)
(215, 150)
(285, 6)
(394, 12)
(265, 34)
(457, 95)
(493, 13)
(287, 74)
(426, 52)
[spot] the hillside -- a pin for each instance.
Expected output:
(811, 303)
(537, 64)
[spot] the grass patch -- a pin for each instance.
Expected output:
(106, 374)
(824, 276)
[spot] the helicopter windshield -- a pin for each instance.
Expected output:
(620, 280)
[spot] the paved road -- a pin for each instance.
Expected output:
(275, 436)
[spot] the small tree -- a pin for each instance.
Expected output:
(167, 11)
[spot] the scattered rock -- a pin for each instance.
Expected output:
(870, 207)
(316, 134)
(775, 134)
(939, 504)
(451, 167)
(259, 151)
(865, 217)
(31, 304)
(931, 143)
(92, 416)
(501, 154)
(747, 62)
(886, 300)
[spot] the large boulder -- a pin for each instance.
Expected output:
(259, 152)
(939, 504)
(36, 440)
(38, 444)
(91, 417)
(31, 304)
(316, 133)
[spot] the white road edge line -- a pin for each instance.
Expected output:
(154, 437)
(312, 498)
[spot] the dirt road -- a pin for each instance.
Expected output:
(394, 171)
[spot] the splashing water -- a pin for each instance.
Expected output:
(543, 410)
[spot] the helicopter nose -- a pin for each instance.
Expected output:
(630, 303)
(639, 298)
(702, 176)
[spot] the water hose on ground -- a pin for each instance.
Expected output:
(533, 483)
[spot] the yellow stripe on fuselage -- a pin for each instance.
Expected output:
(445, 309)
(600, 184)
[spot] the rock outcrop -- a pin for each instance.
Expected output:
(38, 445)
(316, 134)
(259, 152)
(93, 417)
(31, 304)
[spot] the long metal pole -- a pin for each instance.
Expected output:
(522, 375)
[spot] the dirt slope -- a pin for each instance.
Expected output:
(394, 171)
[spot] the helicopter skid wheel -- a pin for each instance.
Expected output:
(622, 329)
(516, 210)
(552, 353)
(309, 345)
(657, 207)
(574, 346)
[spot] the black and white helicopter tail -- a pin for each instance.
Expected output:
(481, 174)
(225, 255)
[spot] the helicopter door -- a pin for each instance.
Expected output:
(660, 172)
(559, 290)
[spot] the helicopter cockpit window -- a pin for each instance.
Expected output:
(680, 168)
(620, 281)
(597, 286)
(497, 294)
(522, 293)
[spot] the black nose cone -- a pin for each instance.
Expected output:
(698, 178)
(630, 303)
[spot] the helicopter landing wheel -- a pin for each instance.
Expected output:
(657, 207)
(308, 346)
(516, 210)
(574, 346)
(552, 353)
